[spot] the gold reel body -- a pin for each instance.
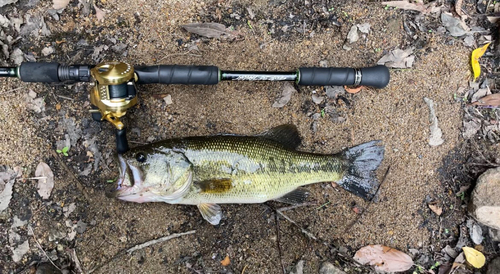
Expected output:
(114, 91)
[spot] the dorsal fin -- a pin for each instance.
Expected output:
(287, 135)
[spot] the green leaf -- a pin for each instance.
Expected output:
(65, 154)
(65, 149)
(59, 151)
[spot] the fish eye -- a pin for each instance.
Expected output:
(140, 157)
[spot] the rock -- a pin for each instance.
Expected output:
(485, 205)
(18, 222)
(19, 251)
(299, 268)
(364, 28)
(450, 251)
(168, 99)
(494, 234)
(436, 134)
(47, 51)
(81, 226)
(328, 268)
(317, 99)
(323, 63)
(452, 24)
(7, 179)
(476, 234)
(494, 266)
(353, 36)
(346, 47)
(7, 2)
(17, 56)
(469, 41)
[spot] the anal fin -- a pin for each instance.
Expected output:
(211, 212)
(297, 196)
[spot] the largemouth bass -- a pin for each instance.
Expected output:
(207, 171)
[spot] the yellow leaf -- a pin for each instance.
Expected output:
(474, 257)
(476, 54)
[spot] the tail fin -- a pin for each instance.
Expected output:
(362, 162)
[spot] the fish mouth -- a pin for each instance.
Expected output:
(129, 180)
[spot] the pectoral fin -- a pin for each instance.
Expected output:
(211, 212)
(295, 197)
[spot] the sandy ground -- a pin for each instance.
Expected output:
(151, 30)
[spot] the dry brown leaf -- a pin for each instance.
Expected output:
(286, 95)
(353, 90)
(210, 30)
(46, 180)
(492, 100)
(226, 261)
(384, 258)
(60, 4)
(436, 208)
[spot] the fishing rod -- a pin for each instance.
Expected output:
(114, 90)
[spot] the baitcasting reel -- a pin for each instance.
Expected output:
(114, 90)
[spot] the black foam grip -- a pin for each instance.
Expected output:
(377, 76)
(175, 74)
(39, 72)
(121, 141)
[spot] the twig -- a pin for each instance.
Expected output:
(244, 268)
(482, 155)
(36, 178)
(78, 266)
(11, 90)
(39, 246)
(137, 247)
(370, 202)
(67, 98)
(307, 233)
(278, 240)
(162, 239)
(71, 173)
(458, 7)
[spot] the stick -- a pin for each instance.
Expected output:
(307, 233)
(278, 242)
(78, 267)
(137, 247)
(39, 246)
(68, 171)
(11, 90)
(162, 239)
